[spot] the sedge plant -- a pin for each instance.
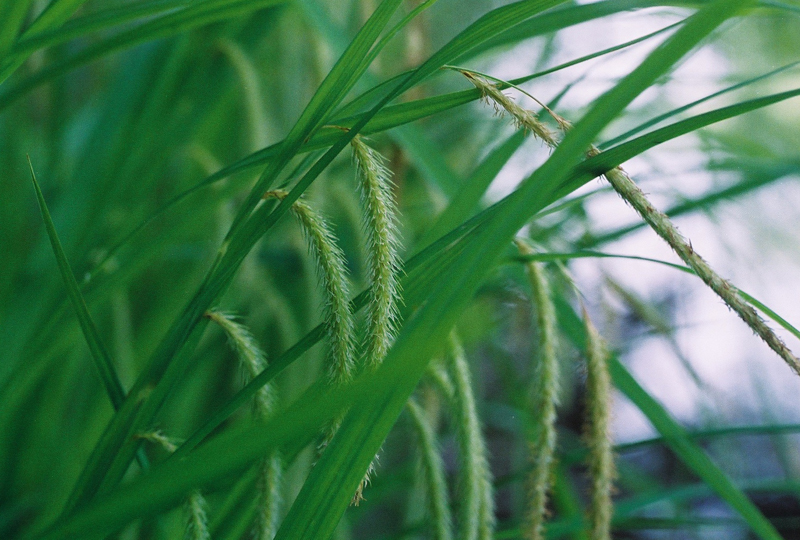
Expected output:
(326, 172)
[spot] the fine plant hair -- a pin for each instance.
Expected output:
(433, 473)
(544, 398)
(598, 433)
(269, 470)
(383, 250)
(476, 516)
(195, 508)
(332, 274)
(658, 221)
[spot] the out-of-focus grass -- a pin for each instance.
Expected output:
(155, 127)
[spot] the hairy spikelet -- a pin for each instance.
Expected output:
(544, 399)
(433, 473)
(627, 189)
(268, 482)
(383, 245)
(332, 274)
(195, 518)
(663, 226)
(598, 433)
(658, 221)
(523, 118)
(252, 358)
(253, 361)
(476, 520)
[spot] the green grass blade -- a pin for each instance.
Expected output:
(690, 453)
(660, 118)
(100, 355)
(56, 13)
(96, 22)
(165, 26)
(550, 256)
(466, 200)
(13, 15)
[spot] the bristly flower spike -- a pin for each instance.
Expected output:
(383, 248)
(332, 274)
(598, 433)
(270, 469)
(252, 358)
(544, 399)
(433, 472)
(477, 519)
(523, 118)
(194, 507)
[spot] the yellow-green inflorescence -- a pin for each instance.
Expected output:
(383, 245)
(332, 274)
(658, 221)
(544, 399)
(268, 480)
(598, 434)
(476, 519)
(195, 517)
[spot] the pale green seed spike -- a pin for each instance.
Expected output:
(627, 189)
(250, 355)
(523, 118)
(270, 473)
(476, 519)
(196, 519)
(544, 399)
(380, 225)
(332, 274)
(663, 226)
(433, 473)
(194, 507)
(254, 361)
(598, 433)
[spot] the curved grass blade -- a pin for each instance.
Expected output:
(660, 118)
(54, 15)
(100, 354)
(599, 254)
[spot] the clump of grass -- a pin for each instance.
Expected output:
(383, 245)
(544, 399)
(332, 274)
(598, 433)
(476, 517)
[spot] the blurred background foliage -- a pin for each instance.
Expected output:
(116, 137)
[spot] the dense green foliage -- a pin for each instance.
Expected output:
(285, 302)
